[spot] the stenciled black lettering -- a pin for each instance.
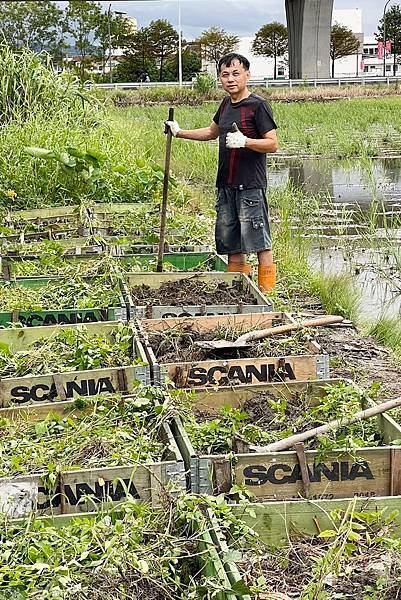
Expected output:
(20, 394)
(320, 469)
(35, 320)
(236, 372)
(361, 469)
(51, 498)
(217, 369)
(76, 387)
(197, 376)
(255, 475)
(253, 372)
(98, 386)
(272, 474)
(40, 392)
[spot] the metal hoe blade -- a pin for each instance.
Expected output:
(221, 345)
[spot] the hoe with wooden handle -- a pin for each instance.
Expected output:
(244, 340)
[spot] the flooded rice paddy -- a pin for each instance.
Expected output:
(352, 219)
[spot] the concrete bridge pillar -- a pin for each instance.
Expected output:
(309, 26)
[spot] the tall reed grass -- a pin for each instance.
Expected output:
(28, 85)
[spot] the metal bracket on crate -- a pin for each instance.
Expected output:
(204, 476)
(322, 366)
(121, 314)
(142, 374)
(177, 473)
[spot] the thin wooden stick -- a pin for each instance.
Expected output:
(307, 435)
(163, 212)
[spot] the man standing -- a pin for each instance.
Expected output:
(246, 130)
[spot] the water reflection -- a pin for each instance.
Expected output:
(350, 181)
(359, 225)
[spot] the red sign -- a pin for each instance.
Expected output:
(388, 46)
(362, 65)
(380, 50)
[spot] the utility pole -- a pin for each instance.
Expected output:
(109, 32)
(179, 45)
(384, 37)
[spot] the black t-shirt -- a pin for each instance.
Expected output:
(241, 166)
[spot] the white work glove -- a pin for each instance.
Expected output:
(235, 139)
(174, 127)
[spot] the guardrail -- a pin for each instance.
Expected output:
(336, 81)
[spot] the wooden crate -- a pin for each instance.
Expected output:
(230, 372)
(181, 261)
(206, 560)
(274, 521)
(61, 316)
(60, 386)
(277, 475)
(82, 490)
(155, 280)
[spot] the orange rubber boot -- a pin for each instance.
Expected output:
(266, 277)
(234, 267)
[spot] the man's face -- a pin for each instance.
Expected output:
(234, 78)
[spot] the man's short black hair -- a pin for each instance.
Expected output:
(228, 59)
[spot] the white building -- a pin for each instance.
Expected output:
(373, 65)
(350, 66)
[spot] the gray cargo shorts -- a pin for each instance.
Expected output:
(242, 221)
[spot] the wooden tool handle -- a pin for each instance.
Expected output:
(378, 409)
(163, 211)
(260, 334)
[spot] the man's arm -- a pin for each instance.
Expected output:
(203, 134)
(268, 142)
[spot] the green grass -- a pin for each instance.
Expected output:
(338, 294)
(387, 331)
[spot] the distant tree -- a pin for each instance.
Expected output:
(163, 40)
(393, 32)
(215, 42)
(342, 43)
(36, 25)
(191, 63)
(137, 59)
(271, 41)
(83, 18)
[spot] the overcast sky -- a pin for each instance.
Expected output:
(242, 17)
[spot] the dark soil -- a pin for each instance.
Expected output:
(361, 359)
(289, 571)
(352, 355)
(178, 345)
(191, 292)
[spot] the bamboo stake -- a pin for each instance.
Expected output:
(307, 435)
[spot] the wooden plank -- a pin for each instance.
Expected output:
(211, 400)
(241, 371)
(155, 280)
(210, 323)
(20, 391)
(19, 339)
(277, 475)
(87, 489)
(274, 521)
(395, 471)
